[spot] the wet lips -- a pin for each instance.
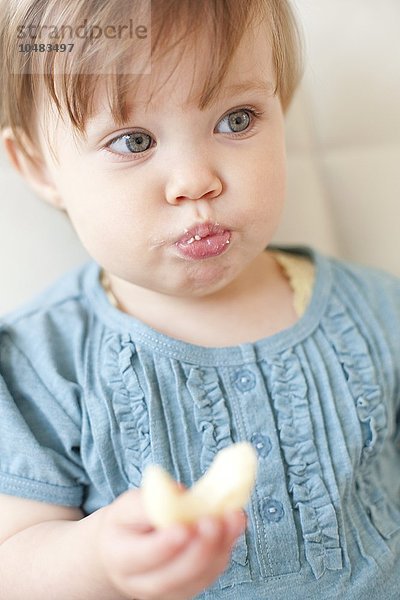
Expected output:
(204, 241)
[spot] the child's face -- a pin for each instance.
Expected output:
(129, 209)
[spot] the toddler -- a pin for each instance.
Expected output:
(187, 331)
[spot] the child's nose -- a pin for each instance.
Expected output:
(193, 186)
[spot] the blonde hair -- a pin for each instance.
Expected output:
(23, 77)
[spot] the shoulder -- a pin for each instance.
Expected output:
(370, 299)
(67, 290)
(65, 296)
(358, 286)
(49, 330)
(372, 286)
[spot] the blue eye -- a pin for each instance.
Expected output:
(135, 143)
(238, 121)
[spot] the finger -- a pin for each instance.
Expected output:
(189, 565)
(235, 525)
(141, 552)
(155, 548)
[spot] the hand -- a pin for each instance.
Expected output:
(175, 563)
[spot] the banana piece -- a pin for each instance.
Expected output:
(227, 485)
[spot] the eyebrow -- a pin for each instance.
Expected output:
(251, 86)
(255, 85)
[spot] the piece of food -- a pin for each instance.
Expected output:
(227, 485)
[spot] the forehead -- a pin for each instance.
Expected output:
(178, 78)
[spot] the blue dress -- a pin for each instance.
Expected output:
(90, 395)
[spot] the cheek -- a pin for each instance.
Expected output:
(263, 183)
(263, 167)
(262, 194)
(271, 180)
(91, 209)
(111, 221)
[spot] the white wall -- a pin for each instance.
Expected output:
(343, 133)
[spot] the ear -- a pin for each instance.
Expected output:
(33, 169)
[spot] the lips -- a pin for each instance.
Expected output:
(200, 231)
(204, 240)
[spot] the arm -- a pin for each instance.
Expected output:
(49, 551)
(45, 552)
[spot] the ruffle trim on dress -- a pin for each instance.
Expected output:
(129, 404)
(211, 415)
(310, 495)
(212, 420)
(359, 370)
